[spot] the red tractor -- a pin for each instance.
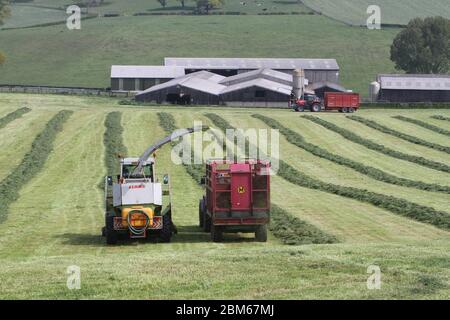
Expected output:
(237, 198)
(309, 102)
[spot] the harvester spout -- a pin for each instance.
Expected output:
(172, 137)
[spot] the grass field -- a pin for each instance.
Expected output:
(56, 221)
(392, 12)
(84, 58)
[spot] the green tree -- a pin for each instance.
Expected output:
(4, 13)
(423, 47)
(207, 5)
(162, 2)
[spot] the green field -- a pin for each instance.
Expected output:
(56, 221)
(392, 11)
(84, 58)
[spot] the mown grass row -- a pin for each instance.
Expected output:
(439, 117)
(289, 229)
(113, 142)
(392, 153)
(395, 205)
(293, 231)
(32, 163)
(377, 174)
(13, 116)
(167, 122)
(374, 125)
(423, 125)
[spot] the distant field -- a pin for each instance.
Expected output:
(65, 206)
(392, 11)
(84, 58)
(24, 16)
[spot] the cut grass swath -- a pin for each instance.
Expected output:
(395, 205)
(167, 122)
(293, 231)
(377, 174)
(113, 142)
(13, 116)
(389, 152)
(374, 125)
(423, 125)
(439, 117)
(289, 229)
(32, 162)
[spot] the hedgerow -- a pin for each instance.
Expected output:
(113, 142)
(374, 125)
(293, 231)
(439, 117)
(392, 153)
(167, 122)
(297, 140)
(32, 163)
(423, 125)
(395, 205)
(13, 116)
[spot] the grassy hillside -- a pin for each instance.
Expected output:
(84, 58)
(65, 205)
(392, 11)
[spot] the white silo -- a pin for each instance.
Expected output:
(374, 91)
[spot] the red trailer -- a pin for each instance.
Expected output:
(237, 198)
(342, 101)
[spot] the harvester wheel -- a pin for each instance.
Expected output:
(216, 233)
(110, 233)
(166, 231)
(261, 233)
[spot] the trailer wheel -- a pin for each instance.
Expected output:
(166, 232)
(316, 107)
(200, 213)
(345, 110)
(110, 233)
(261, 233)
(351, 110)
(206, 222)
(216, 233)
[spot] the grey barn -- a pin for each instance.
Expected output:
(411, 88)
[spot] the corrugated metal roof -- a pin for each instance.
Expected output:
(163, 72)
(324, 84)
(203, 81)
(268, 74)
(261, 83)
(414, 82)
(253, 63)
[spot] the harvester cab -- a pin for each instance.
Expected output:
(137, 204)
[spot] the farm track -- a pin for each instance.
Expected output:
(374, 125)
(13, 116)
(423, 124)
(395, 205)
(290, 229)
(372, 172)
(32, 162)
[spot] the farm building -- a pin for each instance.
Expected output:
(315, 69)
(138, 78)
(258, 88)
(411, 88)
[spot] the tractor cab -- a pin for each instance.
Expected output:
(129, 165)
